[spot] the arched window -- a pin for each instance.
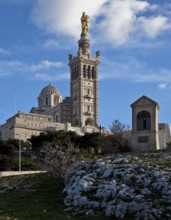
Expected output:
(89, 122)
(143, 121)
(55, 102)
(84, 71)
(46, 100)
(75, 122)
(40, 102)
(88, 72)
(93, 73)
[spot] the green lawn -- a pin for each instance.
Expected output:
(33, 197)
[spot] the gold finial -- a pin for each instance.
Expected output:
(84, 21)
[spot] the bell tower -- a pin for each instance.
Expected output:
(84, 81)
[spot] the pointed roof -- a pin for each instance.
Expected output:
(144, 101)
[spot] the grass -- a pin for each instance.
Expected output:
(33, 197)
(39, 196)
(86, 156)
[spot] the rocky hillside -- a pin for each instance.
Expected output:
(122, 186)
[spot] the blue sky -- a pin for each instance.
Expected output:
(133, 37)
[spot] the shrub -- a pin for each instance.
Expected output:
(56, 158)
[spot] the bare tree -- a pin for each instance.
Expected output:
(118, 127)
(57, 159)
(121, 135)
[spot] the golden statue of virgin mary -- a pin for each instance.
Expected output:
(84, 22)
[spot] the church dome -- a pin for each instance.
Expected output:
(49, 97)
(49, 90)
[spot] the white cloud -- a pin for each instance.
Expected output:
(163, 85)
(16, 67)
(147, 75)
(52, 44)
(131, 69)
(3, 51)
(45, 65)
(9, 67)
(62, 16)
(120, 20)
(51, 77)
(112, 21)
(125, 68)
(154, 26)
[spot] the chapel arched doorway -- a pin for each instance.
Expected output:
(143, 121)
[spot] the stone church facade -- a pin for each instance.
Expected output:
(78, 112)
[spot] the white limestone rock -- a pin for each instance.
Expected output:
(119, 187)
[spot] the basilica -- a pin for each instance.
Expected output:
(79, 111)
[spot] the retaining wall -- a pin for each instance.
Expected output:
(16, 173)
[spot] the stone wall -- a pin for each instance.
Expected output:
(16, 173)
(164, 135)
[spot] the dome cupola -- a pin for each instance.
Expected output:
(49, 97)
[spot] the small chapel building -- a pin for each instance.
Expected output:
(147, 133)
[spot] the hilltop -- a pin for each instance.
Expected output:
(122, 186)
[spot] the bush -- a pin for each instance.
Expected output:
(58, 137)
(94, 140)
(56, 159)
(121, 136)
